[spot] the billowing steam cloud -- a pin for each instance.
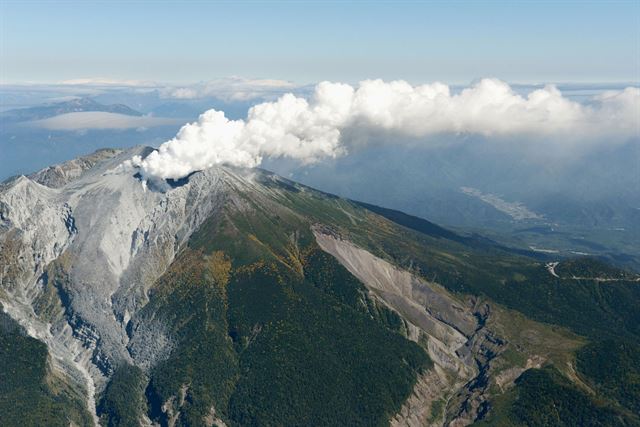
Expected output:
(310, 130)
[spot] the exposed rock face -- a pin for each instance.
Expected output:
(57, 176)
(453, 393)
(470, 402)
(420, 409)
(80, 245)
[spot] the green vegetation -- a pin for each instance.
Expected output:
(123, 402)
(200, 373)
(544, 397)
(592, 308)
(267, 329)
(327, 274)
(579, 300)
(418, 224)
(613, 367)
(586, 304)
(30, 394)
(594, 268)
(591, 298)
(310, 359)
(284, 336)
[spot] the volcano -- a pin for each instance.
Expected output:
(237, 297)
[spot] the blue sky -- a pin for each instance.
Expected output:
(304, 42)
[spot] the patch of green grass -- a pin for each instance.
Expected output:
(437, 407)
(513, 358)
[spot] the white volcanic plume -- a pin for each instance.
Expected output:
(310, 130)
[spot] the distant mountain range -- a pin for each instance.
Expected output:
(55, 109)
(35, 137)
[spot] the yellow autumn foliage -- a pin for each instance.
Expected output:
(218, 268)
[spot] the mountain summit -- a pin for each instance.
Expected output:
(237, 297)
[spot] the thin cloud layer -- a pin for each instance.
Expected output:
(311, 130)
(108, 82)
(86, 120)
(231, 89)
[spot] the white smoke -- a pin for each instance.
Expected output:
(311, 130)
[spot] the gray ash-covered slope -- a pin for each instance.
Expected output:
(57, 176)
(78, 256)
(238, 297)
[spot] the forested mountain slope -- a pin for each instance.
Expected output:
(236, 297)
